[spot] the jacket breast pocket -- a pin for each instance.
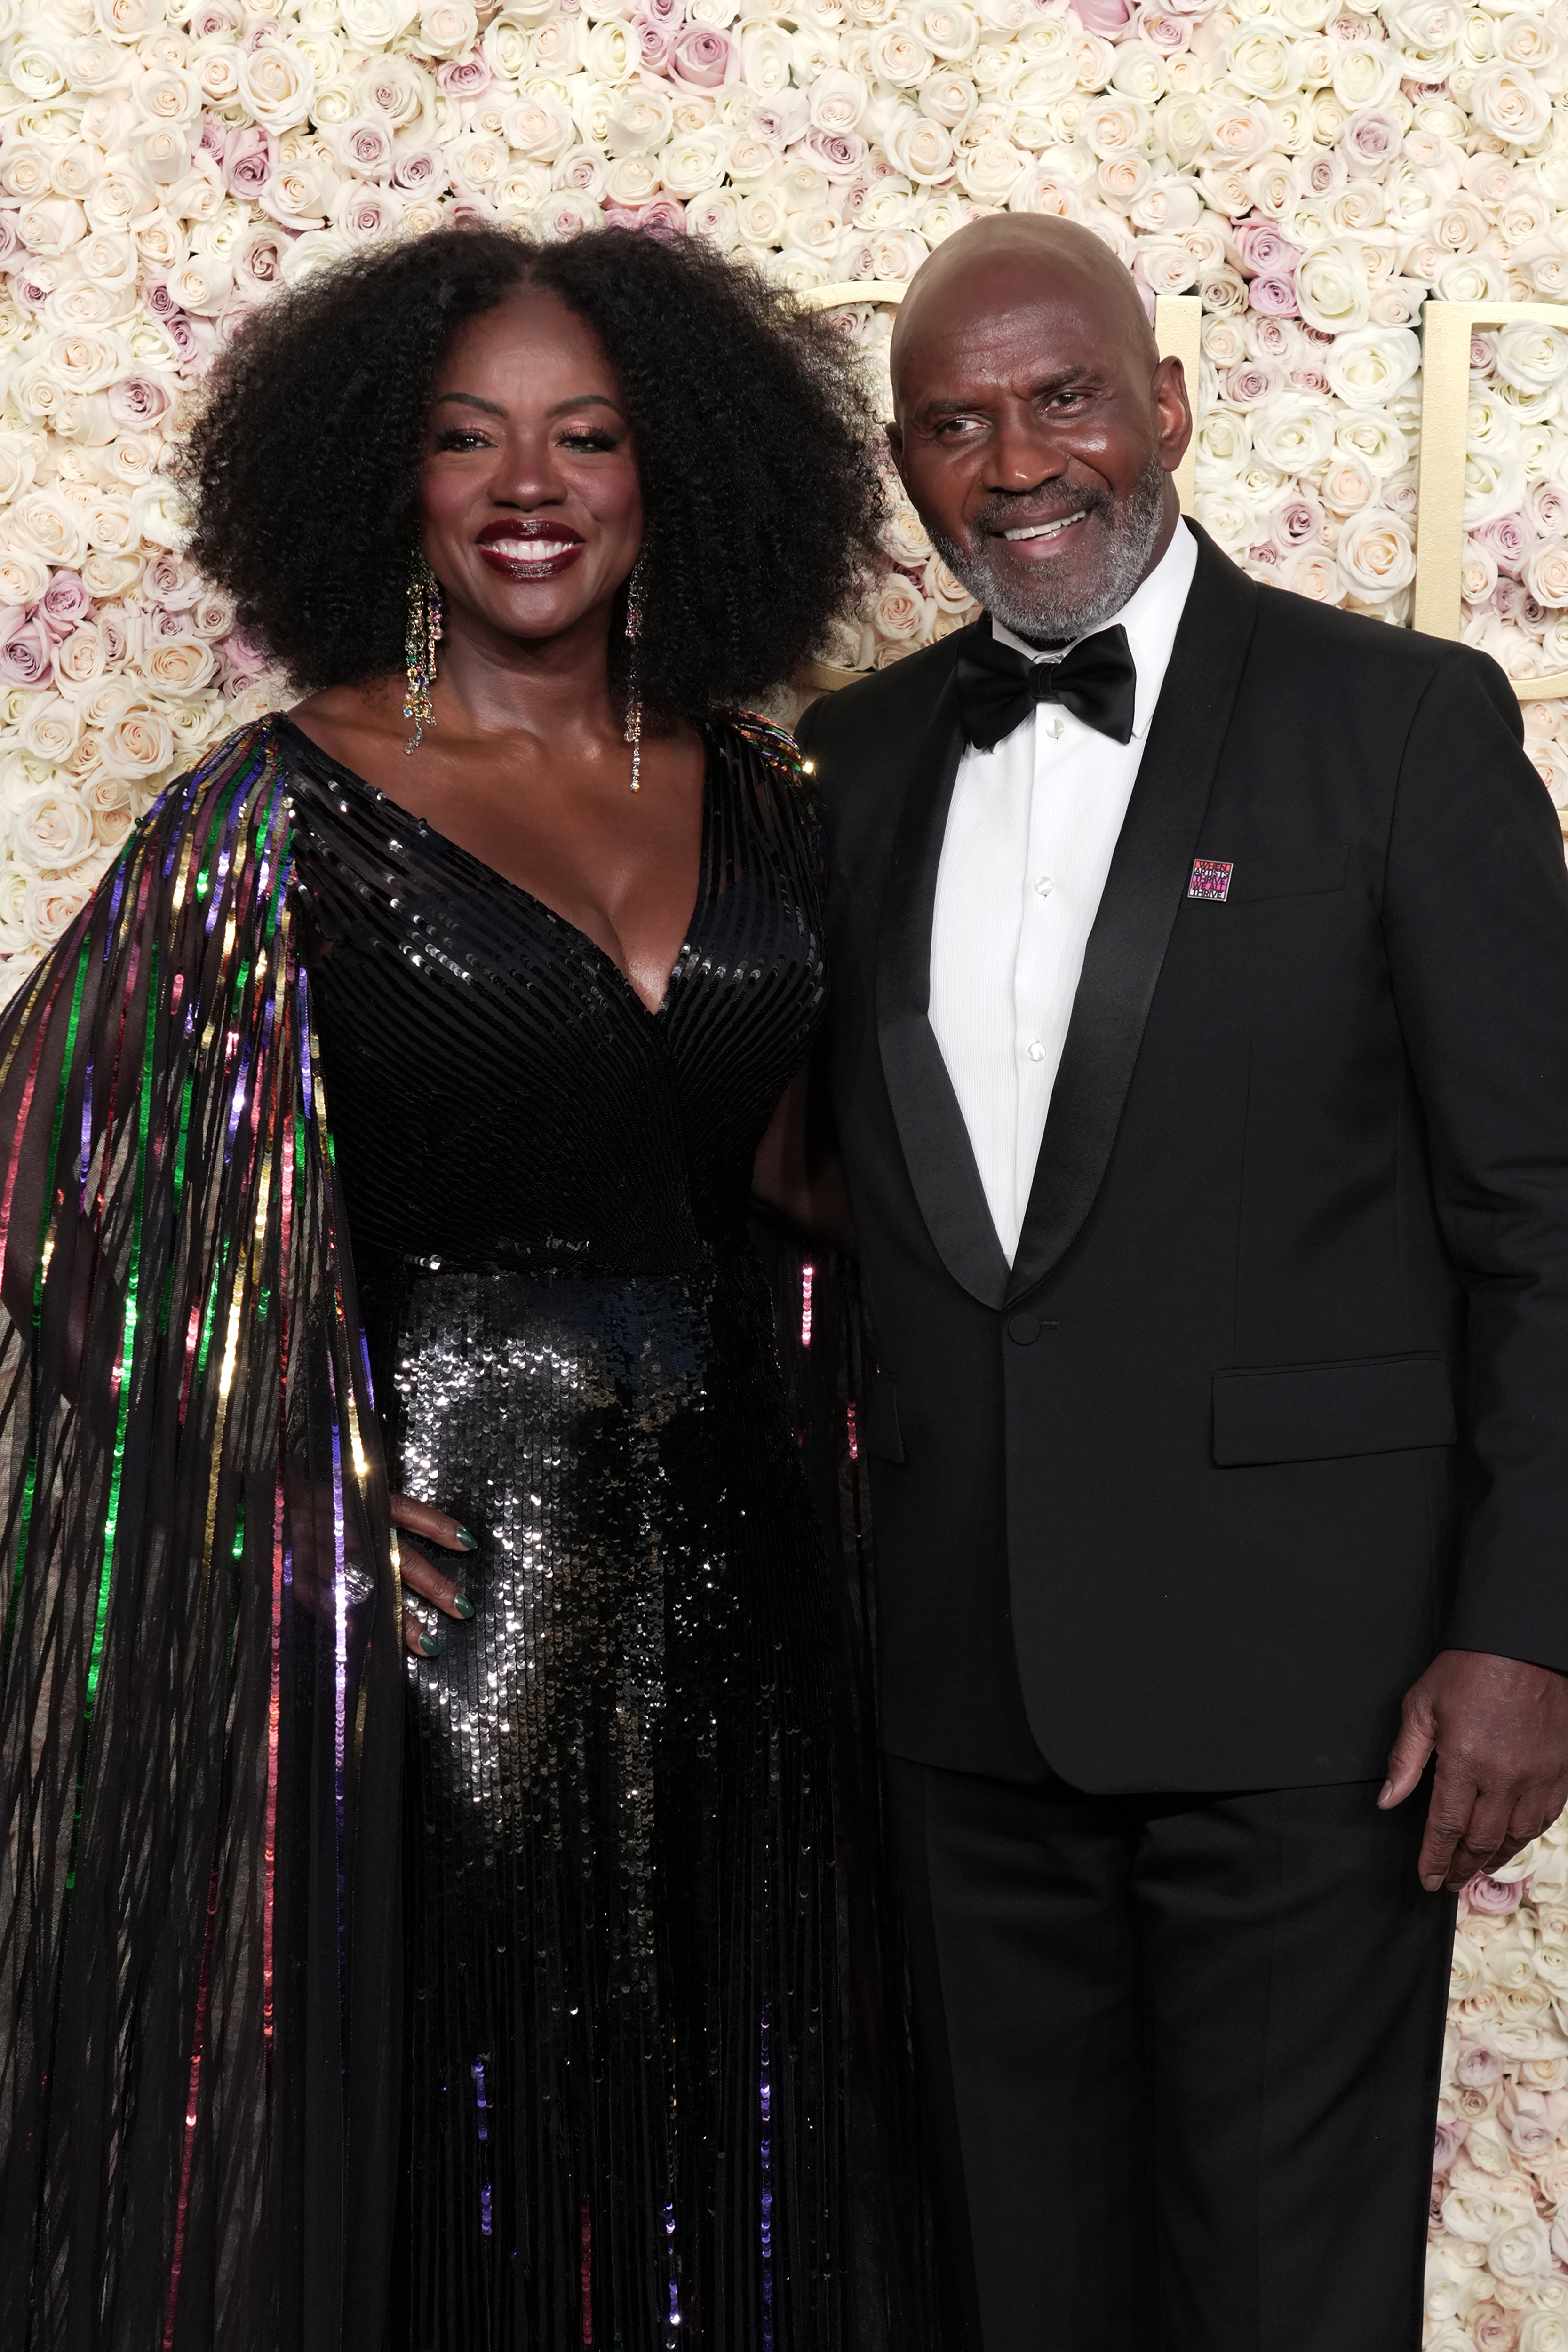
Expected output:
(1311, 1412)
(1298, 874)
(884, 1439)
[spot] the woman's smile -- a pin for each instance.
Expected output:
(520, 549)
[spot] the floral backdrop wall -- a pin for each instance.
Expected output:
(1312, 170)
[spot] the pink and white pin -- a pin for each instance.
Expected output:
(1211, 879)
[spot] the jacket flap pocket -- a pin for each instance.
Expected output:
(1302, 874)
(883, 1436)
(1309, 1413)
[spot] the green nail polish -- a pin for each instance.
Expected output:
(430, 1645)
(469, 1542)
(463, 1605)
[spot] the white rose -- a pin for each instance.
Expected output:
(1376, 437)
(638, 121)
(900, 614)
(1545, 572)
(1510, 104)
(1519, 2250)
(539, 127)
(375, 23)
(567, 212)
(179, 666)
(1332, 288)
(51, 727)
(51, 226)
(1494, 485)
(51, 907)
(921, 149)
(1228, 516)
(137, 743)
(989, 170)
(693, 165)
(897, 58)
(1294, 433)
(51, 829)
(128, 20)
(275, 83)
(51, 527)
(1366, 73)
(79, 658)
(1532, 357)
(1370, 366)
(947, 27)
(609, 51)
(1224, 442)
(37, 65)
(765, 59)
(837, 100)
(1263, 59)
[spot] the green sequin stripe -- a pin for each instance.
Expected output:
(111, 1516)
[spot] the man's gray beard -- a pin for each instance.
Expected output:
(1045, 618)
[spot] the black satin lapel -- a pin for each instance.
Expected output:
(1149, 876)
(937, 1149)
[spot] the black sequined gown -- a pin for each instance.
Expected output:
(623, 2102)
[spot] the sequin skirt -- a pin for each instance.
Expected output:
(622, 2103)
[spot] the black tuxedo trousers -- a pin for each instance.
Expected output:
(1273, 1403)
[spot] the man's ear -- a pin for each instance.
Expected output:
(896, 451)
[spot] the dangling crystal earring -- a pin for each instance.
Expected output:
(419, 648)
(634, 690)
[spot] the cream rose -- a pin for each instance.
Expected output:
(1510, 103)
(50, 829)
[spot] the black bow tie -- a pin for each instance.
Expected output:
(998, 687)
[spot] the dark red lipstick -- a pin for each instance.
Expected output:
(506, 546)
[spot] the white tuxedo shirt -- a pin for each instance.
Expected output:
(1030, 834)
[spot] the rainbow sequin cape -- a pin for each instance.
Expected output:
(200, 1677)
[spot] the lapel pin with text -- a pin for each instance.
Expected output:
(1211, 878)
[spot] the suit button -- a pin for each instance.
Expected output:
(1024, 1330)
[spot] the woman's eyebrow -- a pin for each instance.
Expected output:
(493, 408)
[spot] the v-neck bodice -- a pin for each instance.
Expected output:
(499, 1093)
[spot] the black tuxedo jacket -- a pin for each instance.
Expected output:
(1274, 1402)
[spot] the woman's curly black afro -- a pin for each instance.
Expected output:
(754, 438)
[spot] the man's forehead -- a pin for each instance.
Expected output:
(1043, 332)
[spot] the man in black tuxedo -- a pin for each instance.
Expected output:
(1200, 1062)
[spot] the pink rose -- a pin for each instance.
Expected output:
(158, 299)
(705, 57)
(1274, 298)
(26, 653)
(1451, 2136)
(463, 77)
(1371, 138)
(242, 657)
(841, 154)
(65, 604)
(1494, 1897)
(420, 170)
(138, 402)
(671, 13)
(1264, 251)
(1298, 521)
(247, 165)
(656, 45)
(1107, 17)
(1509, 537)
(1164, 30)
(213, 140)
(1477, 2065)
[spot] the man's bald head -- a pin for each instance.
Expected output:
(993, 265)
(1035, 425)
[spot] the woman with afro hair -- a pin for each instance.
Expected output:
(402, 1956)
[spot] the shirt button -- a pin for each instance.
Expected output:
(1044, 885)
(1035, 1050)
